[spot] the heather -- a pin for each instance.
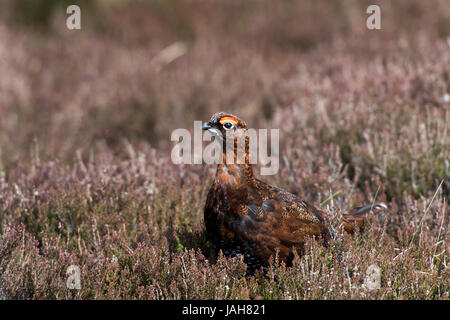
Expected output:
(86, 177)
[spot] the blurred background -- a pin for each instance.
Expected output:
(139, 69)
(86, 115)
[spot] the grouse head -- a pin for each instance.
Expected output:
(233, 133)
(224, 125)
(231, 130)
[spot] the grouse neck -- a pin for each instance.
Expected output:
(234, 173)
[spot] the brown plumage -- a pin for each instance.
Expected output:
(244, 215)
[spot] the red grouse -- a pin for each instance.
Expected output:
(244, 215)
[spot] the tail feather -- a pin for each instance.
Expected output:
(356, 218)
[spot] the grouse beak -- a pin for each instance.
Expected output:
(206, 126)
(212, 129)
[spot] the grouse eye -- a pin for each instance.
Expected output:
(228, 125)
